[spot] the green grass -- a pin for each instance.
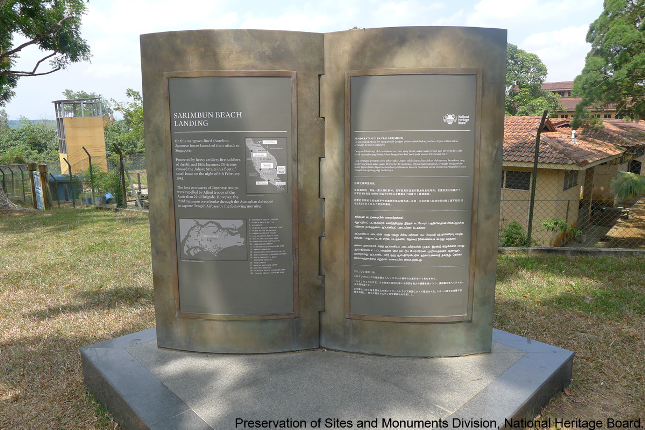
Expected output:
(609, 286)
(70, 278)
(594, 306)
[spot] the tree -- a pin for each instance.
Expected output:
(106, 106)
(4, 120)
(117, 132)
(525, 73)
(614, 71)
(130, 129)
(583, 119)
(32, 141)
(627, 185)
(51, 25)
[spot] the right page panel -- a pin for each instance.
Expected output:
(414, 127)
(411, 173)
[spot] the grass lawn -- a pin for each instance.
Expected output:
(71, 278)
(594, 306)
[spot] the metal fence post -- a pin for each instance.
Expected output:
(13, 183)
(4, 185)
(535, 170)
(91, 176)
(22, 179)
(69, 167)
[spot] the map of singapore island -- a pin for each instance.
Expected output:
(213, 239)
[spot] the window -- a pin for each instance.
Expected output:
(516, 180)
(607, 115)
(570, 179)
(564, 116)
(634, 166)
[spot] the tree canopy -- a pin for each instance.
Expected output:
(32, 141)
(51, 25)
(525, 73)
(128, 132)
(106, 106)
(614, 71)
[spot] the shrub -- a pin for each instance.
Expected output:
(104, 182)
(513, 235)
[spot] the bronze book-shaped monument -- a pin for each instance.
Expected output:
(337, 190)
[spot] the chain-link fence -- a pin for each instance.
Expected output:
(576, 206)
(136, 178)
(16, 183)
(83, 187)
(54, 168)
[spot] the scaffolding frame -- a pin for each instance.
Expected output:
(73, 108)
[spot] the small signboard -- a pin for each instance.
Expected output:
(38, 191)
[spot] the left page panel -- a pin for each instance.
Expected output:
(231, 146)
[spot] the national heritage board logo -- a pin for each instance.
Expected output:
(451, 118)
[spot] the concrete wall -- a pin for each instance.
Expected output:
(604, 174)
(551, 201)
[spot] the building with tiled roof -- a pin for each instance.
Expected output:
(568, 102)
(558, 150)
(626, 133)
(562, 89)
(569, 105)
(574, 169)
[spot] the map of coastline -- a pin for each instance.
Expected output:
(213, 239)
(266, 164)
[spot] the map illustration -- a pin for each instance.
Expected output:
(266, 160)
(210, 239)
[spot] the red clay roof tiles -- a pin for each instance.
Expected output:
(557, 147)
(554, 86)
(569, 103)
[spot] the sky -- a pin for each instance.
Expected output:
(555, 30)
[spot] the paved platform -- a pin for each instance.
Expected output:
(629, 232)
(146, 387)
